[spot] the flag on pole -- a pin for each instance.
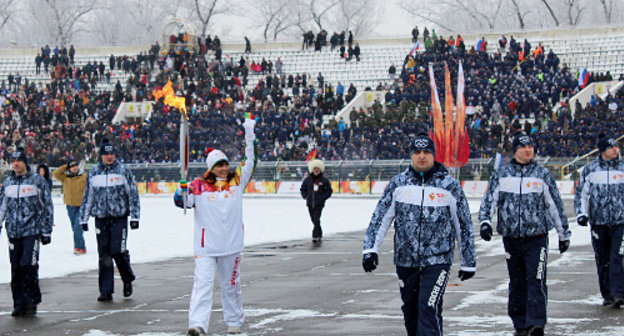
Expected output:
(583, 77)
(415, 48)
(448, 117)
(312, 155)
(438, 122)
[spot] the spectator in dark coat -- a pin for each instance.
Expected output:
(316, 189)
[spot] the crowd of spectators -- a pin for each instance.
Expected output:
(67, 118)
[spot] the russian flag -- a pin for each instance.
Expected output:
(583, 77)
(416, 47)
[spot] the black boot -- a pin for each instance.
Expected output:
(520, 332)
(17, 312)
(536, 331)
(31, 311)
(127, 290)
(105, 297)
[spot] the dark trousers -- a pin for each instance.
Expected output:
(528, 294)
(422, 290)
(24, 257)
(112, 234)
(315, 216)
(608, 250)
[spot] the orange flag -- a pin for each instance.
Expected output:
(448, 118)
(438, 122)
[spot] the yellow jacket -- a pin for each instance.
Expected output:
(73, 186)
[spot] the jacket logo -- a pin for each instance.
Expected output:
(439, 196)
(212, 197)
(618, 176)
(114, 179)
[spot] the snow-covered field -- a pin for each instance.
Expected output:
(165, 232)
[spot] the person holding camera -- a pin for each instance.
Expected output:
(73, 188)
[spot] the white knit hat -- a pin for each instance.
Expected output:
(316, 164)
(213, 156)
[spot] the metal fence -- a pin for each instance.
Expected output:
(370, 170)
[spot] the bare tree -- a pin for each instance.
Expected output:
(273, 16)
(144, 18)
(204, 11)
(552, 14)
(450, 14)
(319, 9)
(6, 11)
(607, 6)
(60, 19)
(419, 10)
(356, 15)
(519, 13)
(574, 11)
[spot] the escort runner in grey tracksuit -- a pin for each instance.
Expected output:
(429, 211)
(26, 208)
(529, 205)
(599, 199)
(111, 195)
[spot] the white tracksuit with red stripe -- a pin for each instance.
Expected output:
(218, 241)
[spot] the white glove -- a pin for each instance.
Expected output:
(249, 125)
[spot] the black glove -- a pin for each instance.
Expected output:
(563, 245)
(582, 220)
(45, 239)
(486, 232)
(465, 275)
(134, 224)
(85, 227)
(370, 261)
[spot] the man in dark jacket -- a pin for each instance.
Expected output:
(111, 195)
(529, 205)
(599, 200)
(316, 189)
(26, 206)
(429, 211)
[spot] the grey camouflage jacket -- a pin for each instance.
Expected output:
(26, 206)
(600, 192)
(429, 212)
(528, 202)
(110, 192)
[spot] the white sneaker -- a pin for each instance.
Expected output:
(234, 330)
(195, 331)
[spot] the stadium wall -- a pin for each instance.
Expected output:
(471, 188)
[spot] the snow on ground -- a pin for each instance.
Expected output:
(166, 233)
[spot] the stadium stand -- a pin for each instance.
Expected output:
(58, 124)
